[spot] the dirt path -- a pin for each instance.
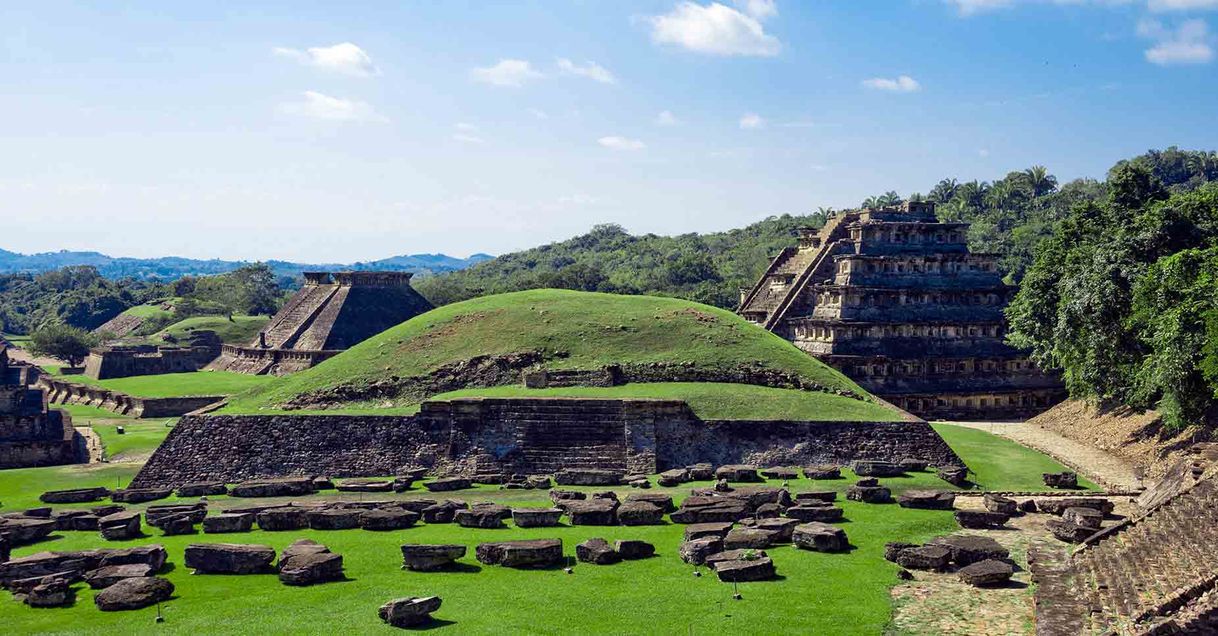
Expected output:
(1099, 466)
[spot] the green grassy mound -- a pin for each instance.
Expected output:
(575, 330)
(177, 384)
(816, 593)
(239, 330)
(717, 401)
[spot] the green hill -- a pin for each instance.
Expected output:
(237, 330)
(569, 330)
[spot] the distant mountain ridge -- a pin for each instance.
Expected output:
(173, 267)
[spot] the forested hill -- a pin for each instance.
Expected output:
(708, 268)
(170, 268)
(1010, 217)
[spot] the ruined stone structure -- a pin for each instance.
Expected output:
(121, 361)
(31, 434)
(894, 299)
(1152, 574)
(332, 312)
(494, 436)
(61, 391)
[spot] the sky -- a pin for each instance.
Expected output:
(337, 132)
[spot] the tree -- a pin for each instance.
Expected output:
(1039, 181)
(62, 342)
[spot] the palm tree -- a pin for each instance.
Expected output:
(871, 202)
(889, 198)
(1039, 180)
(944, 191)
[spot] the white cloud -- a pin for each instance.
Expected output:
(1182, 5)
(318, 106)
(760, 9)
(614, 142)
(666, 118)
(714, 29)
(902, 84)
(345, 58)
(751, 121)
(1189, 43)
(467, 133)
(507, 72)
(984, 153)
(537, 113)
(590, 70)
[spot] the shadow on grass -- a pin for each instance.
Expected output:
(434, 623)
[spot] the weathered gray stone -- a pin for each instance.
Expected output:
(22, 530)
(987, 573)
(823, 471)
(133, 594)
(674, 477)
(955, 475)
(926, 557)
(747, 569)
(596, 551)
(534, 553)
(632, 549)
(1059, 505)
(869, 494)
(310, 567)
(979, 519)
(410, 611)
(695, 551)
(967, 549)
(820, 537)
(743, 538)
(536, 517)
(281, 519)
(448, 484)
(1061, 480)
(1069, 532)
(229, 558)
(780, 472)
(998, 503)
(664, 501)
(177, 524)
(140, 495)
(75, 495)
(226, 522)
(591, 512)
(738, 473)
(154, 514)
(365, 485)
(824, 513)
(104, 577)
(781, 528)
(1085, 517)
(479, 517)
(715, 529)
(274, 488)
(876, 468)
(640, 513)
(120, 526)
(52, 592)
(927, 499)
(428, 558)
(701, 472)
(388, 519)
(334, 518)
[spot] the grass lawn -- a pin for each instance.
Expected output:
(240, 330)
(716, 401)
(574, 330)
(815, 594)
(178, 384)
(999, 463)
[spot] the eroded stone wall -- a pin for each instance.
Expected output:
(493, 436)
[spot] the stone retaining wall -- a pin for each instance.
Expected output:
(60, 391)
(492, 436)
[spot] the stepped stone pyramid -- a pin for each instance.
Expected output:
(330, 313)
(893, 298)
(1156, 573)
(30, 434)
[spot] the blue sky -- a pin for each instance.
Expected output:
(354, 131)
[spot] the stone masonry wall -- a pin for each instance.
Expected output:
(491, 436)
(786, 443)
